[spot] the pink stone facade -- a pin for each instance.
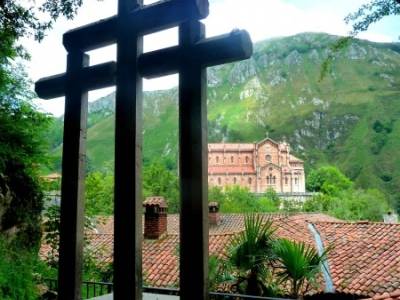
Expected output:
(259, 166)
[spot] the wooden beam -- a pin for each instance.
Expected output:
(209, 52)
(145, 20)
(193, 168)
(222, 49)
(128, 160)
(72, 183)
(90, 78)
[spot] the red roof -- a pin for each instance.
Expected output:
(366, 256)
(365, 260)
(231, 147)
(387, 296)
(231, 170)
(155, 201)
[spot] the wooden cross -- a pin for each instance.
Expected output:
(190, 59)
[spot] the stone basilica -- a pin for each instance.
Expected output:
(258, 166)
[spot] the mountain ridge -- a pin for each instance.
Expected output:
(349, 119)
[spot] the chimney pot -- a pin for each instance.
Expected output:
(213, 213)
(155, 217)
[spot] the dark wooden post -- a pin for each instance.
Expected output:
(73, 178)
(193, 167)
(190, 59)
(128, 159)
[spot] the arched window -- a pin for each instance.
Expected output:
(268, 157)
(219, 180)
(232, 159)
(217, 159)
(234, 180)
(249, 180)
(247, 159)
(286, 180)
(296, 180)
(271, 179)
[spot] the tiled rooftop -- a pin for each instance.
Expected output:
(231, 147)
(366, 256)
(386, 296)
(365, 260)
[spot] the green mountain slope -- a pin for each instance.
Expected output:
(350, 118)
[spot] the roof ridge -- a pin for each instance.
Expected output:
(355, 223)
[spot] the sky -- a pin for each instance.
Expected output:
(263, 19)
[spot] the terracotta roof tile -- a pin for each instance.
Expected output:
(231, 147)
(365, 259)
(155, 201)
(387, 296)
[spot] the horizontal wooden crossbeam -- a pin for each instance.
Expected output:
(218, 50)
(145, 20)
(91, 78)
(208, 52)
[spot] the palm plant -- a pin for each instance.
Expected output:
(250, 254)
(298, 264)
(219, 272)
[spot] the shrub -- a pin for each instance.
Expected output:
(16, 272)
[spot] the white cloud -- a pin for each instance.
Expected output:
(262, 18)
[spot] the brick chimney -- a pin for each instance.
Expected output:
(155, 217)
(213, 213)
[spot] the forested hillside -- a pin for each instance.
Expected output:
(350, 118)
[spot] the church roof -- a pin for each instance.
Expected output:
(231, 147)
(293, 158)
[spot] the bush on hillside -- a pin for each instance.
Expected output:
(351, 204)
(327, 179)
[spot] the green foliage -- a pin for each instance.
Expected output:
(249, 253)
(328, 180)
(351, 204)
(99, 194)
(22, 148)
(297, 264)
(327, 122)
(17, 267)
(159, 181)
(260, 264)
(51, 228)
(93, 269)
(372, 12)
(236, 199)
(219, 271)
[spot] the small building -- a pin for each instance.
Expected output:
(258, 166)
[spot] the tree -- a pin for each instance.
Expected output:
(159, 181)
(351, 204)
(99, 193)
(370, 13)
(22, 149)
(328, 180)
(361, 20)
(250, 253)
(93, 268)
(298, 264)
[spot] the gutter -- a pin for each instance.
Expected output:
(329, 288)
